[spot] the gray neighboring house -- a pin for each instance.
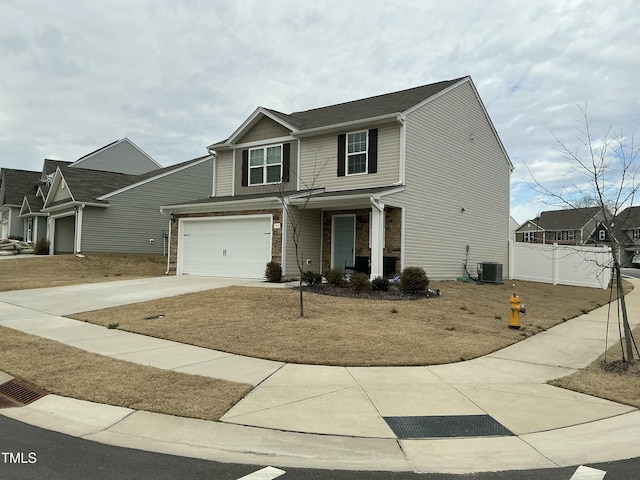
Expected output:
(13, 185)
(417, 177)
(102, 211)
(106, 201)
(574, 226)
(627, 224)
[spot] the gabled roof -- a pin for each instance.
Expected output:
(95, 186)
(86, 185)
(16, 184)
(31, 205)
(78, 162)
(379, 106)
(628, 219)
(568, 219)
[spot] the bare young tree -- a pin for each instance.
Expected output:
(295, 214)
(607, 176)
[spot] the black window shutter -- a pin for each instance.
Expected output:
(342, 154)
(373, 151)
(286, 162)
(245, 168)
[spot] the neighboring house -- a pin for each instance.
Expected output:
(575, 226)
(412, 178)
(106, 201)
(627, 224)
(100, 211)
(13, 185)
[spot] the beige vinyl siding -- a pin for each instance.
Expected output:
(224, 174)
(447, 172)
(264, 130)
(133, 217)
(320, 154)
(309, 245)
(287, 186)
(62, 193)
(122, 157)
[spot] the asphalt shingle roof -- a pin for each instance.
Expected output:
(569, 219)
(18, 183)
(370, 107)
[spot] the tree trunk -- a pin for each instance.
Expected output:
(625, 319)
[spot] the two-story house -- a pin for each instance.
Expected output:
(417, 177)
(107, 200)
(13, 185)
(627, 225)
(574, 226)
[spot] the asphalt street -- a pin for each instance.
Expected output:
(28, 452)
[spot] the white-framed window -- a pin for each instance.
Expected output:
(602, 235)
(356, 153)
(636, 234)
(565, 235)
(529, 236)
(265, 165)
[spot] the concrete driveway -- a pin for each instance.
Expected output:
(95, 296)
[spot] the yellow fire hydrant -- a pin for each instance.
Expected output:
(517, 308)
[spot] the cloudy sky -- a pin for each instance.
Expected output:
(175, 76)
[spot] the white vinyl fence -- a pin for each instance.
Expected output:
(561, 264)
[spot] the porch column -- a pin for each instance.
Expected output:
(377, 238)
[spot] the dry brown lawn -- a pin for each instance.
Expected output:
(465, 322)
(610, 379)
(20, 273)
(71, 372)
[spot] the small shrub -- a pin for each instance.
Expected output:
(360, 282)
(311, 278)
(41, 247)
(111, 326)
(334, 277)
(380, 284)
(413, 280)
(394, 310)
(273, 272)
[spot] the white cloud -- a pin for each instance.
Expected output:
(175, 76)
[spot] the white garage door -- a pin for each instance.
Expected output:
(238, 246)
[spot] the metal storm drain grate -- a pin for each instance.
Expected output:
(446, 426)
(16, 394)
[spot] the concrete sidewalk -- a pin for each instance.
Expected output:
(337, 417)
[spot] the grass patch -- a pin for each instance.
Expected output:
(264, 322)
(71, 372)
(608, 379)
(59, 270)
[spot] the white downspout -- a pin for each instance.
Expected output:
(402, 120)
(214, 156)
(171, 220)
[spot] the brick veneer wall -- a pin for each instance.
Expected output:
(276, 242)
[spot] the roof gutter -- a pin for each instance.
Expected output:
(371, 121)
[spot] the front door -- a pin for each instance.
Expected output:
(344, 237)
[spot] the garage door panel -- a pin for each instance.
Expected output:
(225, 246)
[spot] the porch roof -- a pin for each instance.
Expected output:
(319, 199)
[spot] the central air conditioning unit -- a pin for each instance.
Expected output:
(490, 272)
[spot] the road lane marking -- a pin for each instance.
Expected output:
(587, 473)
(267, 473)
